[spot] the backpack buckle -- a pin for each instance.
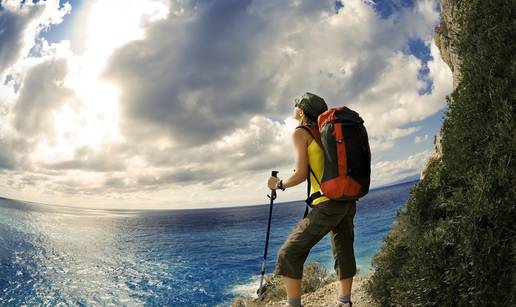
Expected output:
(313, 197)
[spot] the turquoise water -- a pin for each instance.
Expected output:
(52, 255)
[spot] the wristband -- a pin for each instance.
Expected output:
(279, 185)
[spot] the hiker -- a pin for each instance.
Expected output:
(326, 215)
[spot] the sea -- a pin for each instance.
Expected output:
(64, 256)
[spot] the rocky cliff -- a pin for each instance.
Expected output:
(454, 243)
(446, 38)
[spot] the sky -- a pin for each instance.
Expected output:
(188, 104)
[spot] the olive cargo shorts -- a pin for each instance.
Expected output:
(333, 216)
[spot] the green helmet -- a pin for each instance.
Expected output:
(312, 105)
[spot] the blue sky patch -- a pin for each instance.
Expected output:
(385, 8)
(421, 50)
(62, 31)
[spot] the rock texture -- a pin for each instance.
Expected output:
(446, 35)
(326, 295)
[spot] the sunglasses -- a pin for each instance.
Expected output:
(297, 101)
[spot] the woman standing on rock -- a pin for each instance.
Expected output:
(326, 215)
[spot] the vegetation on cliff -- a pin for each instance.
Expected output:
(454, 244)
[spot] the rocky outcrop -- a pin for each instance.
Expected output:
(446, 35)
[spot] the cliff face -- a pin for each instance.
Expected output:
(446, 35)
(454, 240)
(446, 38)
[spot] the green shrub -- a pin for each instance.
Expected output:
(455, 243)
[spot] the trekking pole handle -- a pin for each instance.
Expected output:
(273, 191)
(274, 174)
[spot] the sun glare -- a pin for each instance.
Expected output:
(91, 119)
(113, 23)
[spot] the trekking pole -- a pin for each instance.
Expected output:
(261, 290)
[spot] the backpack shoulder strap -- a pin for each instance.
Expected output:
(314, 132)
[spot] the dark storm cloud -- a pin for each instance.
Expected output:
(41, 94)
(202, 73)
(194, 76)
(12, 30)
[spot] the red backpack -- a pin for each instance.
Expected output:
(347, 156)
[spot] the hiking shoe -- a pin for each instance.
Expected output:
(341, 304)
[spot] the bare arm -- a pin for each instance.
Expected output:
(301, 172)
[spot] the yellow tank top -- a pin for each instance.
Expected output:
(316, 162)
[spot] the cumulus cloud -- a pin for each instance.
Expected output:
(106, 159)
(13, 152)
(125, 168)
(384, 172)
(41, 94)
(419, 139)
(385, 141)
(277, 51)
(262, 144)
(203, 86)
(193, 87)
(198, 87)
(20, 24)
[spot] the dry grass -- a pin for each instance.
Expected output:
(314, 277)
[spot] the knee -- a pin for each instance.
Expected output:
(284, 254)
(289, 252)
(289, 263)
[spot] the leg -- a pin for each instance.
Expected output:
(293, 287)
(345, 286)
(295, 250)
(342, 238)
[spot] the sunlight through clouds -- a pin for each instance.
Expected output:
(156, 100)
(95, 121)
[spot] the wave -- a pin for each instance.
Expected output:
(249, 288)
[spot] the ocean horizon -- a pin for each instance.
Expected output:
(58, 255)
